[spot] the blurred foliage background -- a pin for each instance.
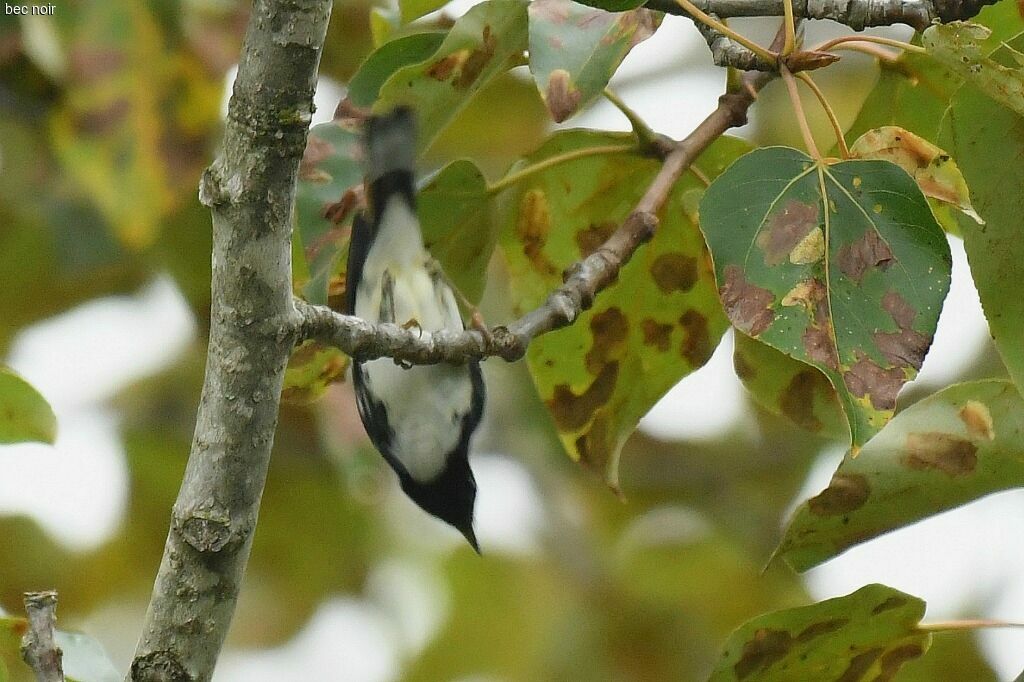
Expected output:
(109, 111)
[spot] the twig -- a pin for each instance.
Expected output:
(250, 190)
(38, 648)
(582, 281)
(857, 14)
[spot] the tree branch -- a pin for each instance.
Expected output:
(582, 281)
(857, 14)
(250, 190)
(38, 648)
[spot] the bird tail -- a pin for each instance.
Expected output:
(390, 142)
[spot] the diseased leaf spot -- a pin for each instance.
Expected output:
(810, 249)
(561, 96)
(532, 227)
(867, 378)
(867, 252)
(747, 305)
(893, 660)
(859, 665)
(610, 329)
(657, 335)
(674, 272)
(820, 347)
(808, 293)
(821, 628)
(905, 348)
(978, 420)
(592, 238)
(443, 68)
(744, 370)
(765, 648)
(593, 447)
(893, 602)
(477, 60)
(902, 312)
(797, 400)
(317, 149)
(696, 347)
(844, 494)
(938, 451)
(786, 229)
(572, 412)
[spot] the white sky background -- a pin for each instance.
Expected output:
(964, 563)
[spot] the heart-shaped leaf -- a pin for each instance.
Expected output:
(655, 325)
(575, 50)
(841, 266)
(867, 635)
(953, 447)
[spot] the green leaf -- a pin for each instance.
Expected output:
(914, 91)
(414, 9)
(24, 414)
(365, 85)
(575, 50)
(988, 140)
(479, 47)
(841, 266)
(934, 171)
(789, 388)
(455, 212)
(955, 446)
(311, 369)
(330, 168)
(655, 325)
(959, 45)
(866, 635)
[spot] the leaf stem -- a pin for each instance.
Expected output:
(969, 624)
(868, 49)
(513, 178)
(643, 132)
(719, 26)
(844, 151)
(789, 24)
(798, 109)
(878, 40)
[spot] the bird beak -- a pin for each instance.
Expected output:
(471, 538)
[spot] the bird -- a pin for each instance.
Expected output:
(420, 418)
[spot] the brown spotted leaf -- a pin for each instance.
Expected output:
(866, 635)
(480, 46)
(655, 325)
(134, 124)
(935, 172)
(951, 448)
(789, 388)
(841, 266)
(575, 50)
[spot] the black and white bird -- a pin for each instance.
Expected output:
(420, 418)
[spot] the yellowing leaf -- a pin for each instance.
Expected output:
(935, 172)
(656, 324)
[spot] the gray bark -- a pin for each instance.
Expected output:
(250, 190)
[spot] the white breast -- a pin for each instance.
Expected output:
(426, 404)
